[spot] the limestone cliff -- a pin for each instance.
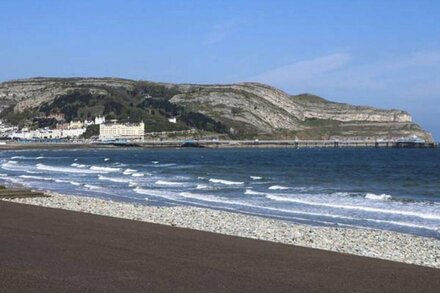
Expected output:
(244, 109)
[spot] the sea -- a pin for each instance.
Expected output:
(388, 189)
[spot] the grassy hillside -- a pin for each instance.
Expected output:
(149, 102)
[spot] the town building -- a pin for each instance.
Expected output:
(71, 125)
(47, 133)
(99, 120)
(76, 124)
(131, 131)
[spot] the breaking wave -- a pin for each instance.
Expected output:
(252, 192)
(355, 207)
(278, 187)
(129, 171)
(226, 182)
(65, 169)
(78, 165)
(137, 175)
(169, 183)
(105, 169)
(155, 192)
(35, 177)
(67, 181)
(382, 197)
(113, 179)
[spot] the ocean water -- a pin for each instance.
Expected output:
(390, 189)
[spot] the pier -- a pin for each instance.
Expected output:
(288, 143)
(176, 143)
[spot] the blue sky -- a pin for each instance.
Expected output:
(378, 53)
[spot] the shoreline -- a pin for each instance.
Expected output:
(378, 244)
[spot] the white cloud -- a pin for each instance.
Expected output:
(411, 75)
(304, 71)
(409, 81)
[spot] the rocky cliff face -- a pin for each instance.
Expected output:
(266, 108)
(248, 109)
(30, 93)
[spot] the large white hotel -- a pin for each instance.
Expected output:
(109, 131)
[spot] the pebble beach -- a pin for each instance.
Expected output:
(380, 244)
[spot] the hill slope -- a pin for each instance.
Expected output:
(242, 110)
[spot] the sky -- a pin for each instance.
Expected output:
(380, 53)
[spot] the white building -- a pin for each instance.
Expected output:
(99, 120)
(71, 125)
(47, 133)
(76, 124)
(121, 131)
(172, 120)
(20, 135)
(6, 128)
(72, 133)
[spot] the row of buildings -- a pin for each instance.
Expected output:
(75, 129)
(45, 133)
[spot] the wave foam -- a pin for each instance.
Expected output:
(278, 187)
(67, 181)
(169, 183)
(35, 177)
(382, 197)
(129, 171)
(65, 169)
(204, 197)
(112, 179)
(352, 207)
(105, 169)
(164, 165)
(14, 166)
(18, 157)
(256, 177)
(155, 192)
(26, 158)
(137, 175)
(78, 165)
(226, 182)
(251, 192)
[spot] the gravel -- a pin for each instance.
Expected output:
(364, 242)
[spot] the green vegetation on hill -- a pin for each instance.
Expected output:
(18, 118)
(148, 102)
(91, 131)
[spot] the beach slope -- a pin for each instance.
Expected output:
(51, 250)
